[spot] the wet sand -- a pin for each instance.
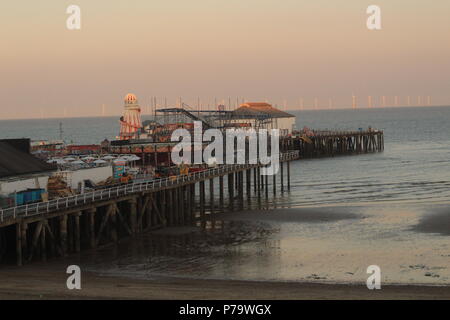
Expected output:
(40, 282)
(438, 223)
(299, 215)
(48, 280)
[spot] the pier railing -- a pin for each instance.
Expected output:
(335, 133)
(55, 205)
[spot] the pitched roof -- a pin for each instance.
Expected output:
(14, 162)
(260, 109)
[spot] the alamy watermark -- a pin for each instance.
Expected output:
(73, 22)
(374, 20)
(240, 146)
(74, 280)
(374, 280)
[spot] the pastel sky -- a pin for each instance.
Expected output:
(274, 50)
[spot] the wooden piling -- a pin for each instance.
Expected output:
(274, 184)
(176, 208)
(43, 241)
(248, 181)
(70, 246)
(133, 215)
(63, 233)
(91, 222)
(231, 191)
(77, 237)
(258, 172)
(19, 261)
(255, 180)
(182, 204)
(23, 230)
(266, 190)
(221, 192)
(288, 175)
(113, 222)
(170, 208)
(241, 189)
(202, 201)
(163, 207)
(211, 195)
(192, 194)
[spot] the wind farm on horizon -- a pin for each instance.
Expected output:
(153, 103)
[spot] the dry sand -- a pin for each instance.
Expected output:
(40, 282)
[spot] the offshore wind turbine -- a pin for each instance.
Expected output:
(353, 101)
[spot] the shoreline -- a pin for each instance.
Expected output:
(41, 282)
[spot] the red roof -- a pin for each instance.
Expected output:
(261, 108)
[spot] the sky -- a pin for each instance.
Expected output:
(278, 51)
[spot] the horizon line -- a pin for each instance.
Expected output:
(283, 109)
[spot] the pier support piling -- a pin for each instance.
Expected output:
(133, 215)
(91, 222)
(211, 195)
(76, 233)
(19, 261)
(63, 234)
(289, 175)
(202, 201)
(221, 192)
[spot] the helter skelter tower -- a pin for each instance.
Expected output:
(130, 122)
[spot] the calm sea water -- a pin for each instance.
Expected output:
(341, 215)
(415, 165)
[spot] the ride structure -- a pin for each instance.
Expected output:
(130, 122)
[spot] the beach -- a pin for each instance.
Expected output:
(43, 282)
(229, 262)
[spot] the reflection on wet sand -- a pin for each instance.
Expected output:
(321, 244)
(185, 251)
(435, 223)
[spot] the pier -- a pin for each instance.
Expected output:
(67, 225)
(334, 143)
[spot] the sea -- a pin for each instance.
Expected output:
(341, 215)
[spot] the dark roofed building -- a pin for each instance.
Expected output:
(261, 108)
(15, 161)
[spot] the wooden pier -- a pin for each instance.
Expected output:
(69, 225)
(335, 143)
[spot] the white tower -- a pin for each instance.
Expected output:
(130, 122)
